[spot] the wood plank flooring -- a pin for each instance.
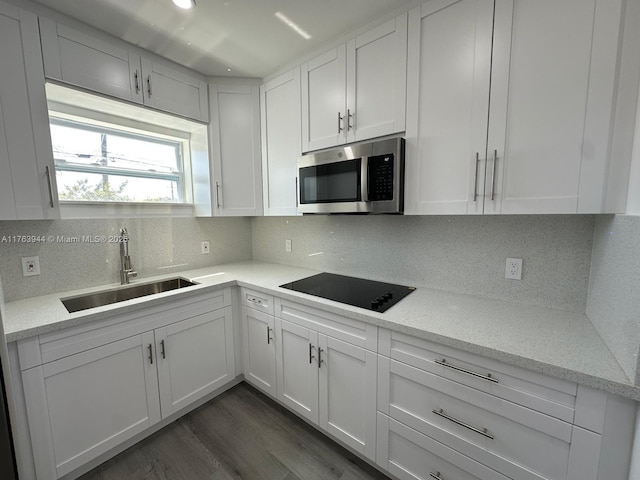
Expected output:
(241, 434)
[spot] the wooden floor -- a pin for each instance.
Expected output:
(240, 434)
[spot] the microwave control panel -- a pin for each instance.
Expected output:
(380, 177)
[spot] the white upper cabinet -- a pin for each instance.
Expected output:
(107, 66)
(27, 176)
(357, 90)
(235, 148)
(280, 127)
(509, 109)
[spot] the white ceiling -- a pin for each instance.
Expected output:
(242, 35)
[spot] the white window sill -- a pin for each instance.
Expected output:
(72, 210)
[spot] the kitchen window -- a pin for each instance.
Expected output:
(117, 159)
(105, 164)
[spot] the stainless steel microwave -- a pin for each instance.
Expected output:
(357, 178)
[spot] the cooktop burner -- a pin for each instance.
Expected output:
(369, 294)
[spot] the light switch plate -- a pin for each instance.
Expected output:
(30, 266)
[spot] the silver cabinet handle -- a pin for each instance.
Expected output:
(50, 185)
(218, 194)
(268, 335)
(162, 350)
(311, 347)
(493, 174)
(349, 117)
(296, 192)
(150, 354)
(486, 377)
(320, 350)
(149, 84)
(435, 475)
(340, 118)
(137, 82)
(475, 182)
(481, 431)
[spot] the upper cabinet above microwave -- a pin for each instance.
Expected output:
(110, 68)
(356, 91)
(511, 104)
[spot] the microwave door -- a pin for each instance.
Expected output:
(337, 182)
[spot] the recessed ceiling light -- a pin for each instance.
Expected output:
(186, 4)
(292, 25)
(228, 69)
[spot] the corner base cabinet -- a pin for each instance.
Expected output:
(101, 384)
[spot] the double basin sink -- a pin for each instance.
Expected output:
(107, 297)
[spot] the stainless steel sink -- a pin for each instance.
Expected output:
(107, 297)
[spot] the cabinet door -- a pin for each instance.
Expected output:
(348, 394)
(280, 123)
(27, 177)
(195, 357)
(447, 106)
(83, 405)
(235, 147)
(297, 368)
(170, 89)
(259, 350)
(90, 62)
(377, 81)
(324, 100)
(541, 90)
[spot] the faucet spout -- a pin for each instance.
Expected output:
(126, 272)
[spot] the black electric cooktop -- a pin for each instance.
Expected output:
(369, 294)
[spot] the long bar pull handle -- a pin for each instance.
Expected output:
(320, 350)
(475, 182)
(149, 84)
(296, 192)
(162, 350)
(268, 335)
(349, 117)
(340, 118)
(486, 377)
(435, 475)
(150, 354)
(311, 347)
(481, 431)
(137, 82)
(50, 185)
(218, 194)
(493, 175)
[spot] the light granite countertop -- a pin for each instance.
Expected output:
(554, 342)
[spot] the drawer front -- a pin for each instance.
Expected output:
(336, 326)
(517, 441)
(257, 300)
(409, 455)
(74, 340)
(539, 392)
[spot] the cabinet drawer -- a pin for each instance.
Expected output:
(339, 327)
(257, 300)
(539, 392)
(507, 437)
(409, 455)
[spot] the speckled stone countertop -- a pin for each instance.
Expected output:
(555, 342)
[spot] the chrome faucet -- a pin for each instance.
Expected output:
(126, 272)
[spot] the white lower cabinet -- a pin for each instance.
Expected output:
(409, 455)
(259, 350)
(328, 381)
(81, 406)
(195, 357)
(110, 389)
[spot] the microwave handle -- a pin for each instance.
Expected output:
(364, 179)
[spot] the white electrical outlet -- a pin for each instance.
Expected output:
(205, 247)
(287, 245)
(513, 269)
(30, 266)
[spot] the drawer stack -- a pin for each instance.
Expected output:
(447, 414)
